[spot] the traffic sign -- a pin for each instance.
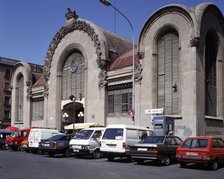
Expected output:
(154, 111)
(131, 112)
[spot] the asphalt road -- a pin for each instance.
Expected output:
(21, 165)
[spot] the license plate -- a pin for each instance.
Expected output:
(192, 153)
(46, 145)
(75, 150)
(142, 149)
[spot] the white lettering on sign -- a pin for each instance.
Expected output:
(154, 111)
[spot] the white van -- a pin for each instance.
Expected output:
(38, 134)
(117, 138)
(87, 142)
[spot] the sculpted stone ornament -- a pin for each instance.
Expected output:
(102, 78)
(79, 25)
(138, 72)
(195, 41)
(29, 88)
(141, 55)
(71, 14)
(46, 88)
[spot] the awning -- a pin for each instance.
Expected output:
(82, 126)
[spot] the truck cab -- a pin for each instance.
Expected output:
(14, 141)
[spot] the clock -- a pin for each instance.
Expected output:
(74, 67)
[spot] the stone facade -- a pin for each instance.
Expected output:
(107, 71)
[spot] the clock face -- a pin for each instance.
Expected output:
(74, 67)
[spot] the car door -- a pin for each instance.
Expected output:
(219, 148)
(95, 139)
(174, 142)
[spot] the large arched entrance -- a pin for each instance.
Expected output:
(72, 112)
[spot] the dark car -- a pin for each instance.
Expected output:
(57, 144)
(203, 150)
(3, 135)
(160, 148)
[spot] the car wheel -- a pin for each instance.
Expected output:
(214, 165)
(183, 165)
(96, 154)
(3, 147)
(140, 161)
(166, 160)
(51, 154)
(110, 158)
(67, 153)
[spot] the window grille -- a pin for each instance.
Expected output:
(37, 110)
(119, 102)
(210, 75)
(168, 89)
(73, 75)
(19, 98)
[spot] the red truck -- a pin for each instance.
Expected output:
(14, 141)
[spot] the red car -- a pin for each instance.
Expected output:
(201, 150)
(14, 141)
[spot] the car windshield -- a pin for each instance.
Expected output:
(57, 137)
(83, 134)
(153, 139)
(195, 143)
(113, 133)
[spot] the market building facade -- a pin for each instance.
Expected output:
(87, 76)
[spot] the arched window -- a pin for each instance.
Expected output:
(211, 51)
(19, 98)
(168, 89)
(73, 76)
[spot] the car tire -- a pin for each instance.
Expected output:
(67, 153)
(140, 161)
(183, 165)
(166, 161)
(110, 158)
(96, 154)
(51, 154)
(214, 165)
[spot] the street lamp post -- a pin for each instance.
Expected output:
(65, 116)
(108, 3)
(72, 98)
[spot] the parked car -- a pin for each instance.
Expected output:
(3, 135)
(14, 140)
(87, 142)
(38, 134)
(201, 150)
(24, 145)
(117, 138)
(57, 144)
(159, 148)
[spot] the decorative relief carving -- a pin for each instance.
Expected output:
(69, 14)
(75, 25)
(29, 88)
(195, 41)
(102, 78)
(141, 55)
(138, 72)
(46, 90)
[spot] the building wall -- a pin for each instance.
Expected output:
(5, 91)
(94, 98)
(192, 35)
(212, 19)
(23, 69)
(191, 26)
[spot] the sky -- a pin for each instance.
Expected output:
(27, 27)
